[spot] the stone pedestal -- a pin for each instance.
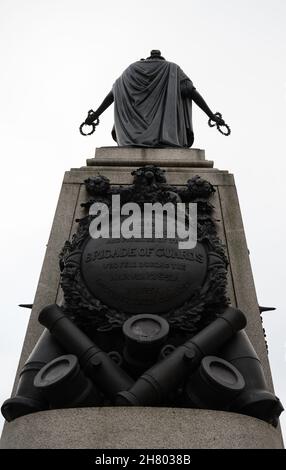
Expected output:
(143, 427)
(139, 428)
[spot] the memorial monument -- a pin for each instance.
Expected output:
(147, 343)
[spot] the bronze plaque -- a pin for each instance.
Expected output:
(142, 275)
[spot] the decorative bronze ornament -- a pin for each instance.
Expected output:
(107, 280)
(220, 127)
(92, 124)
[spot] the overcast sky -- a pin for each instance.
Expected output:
(59, 58)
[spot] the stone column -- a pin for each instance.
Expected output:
(120, 427)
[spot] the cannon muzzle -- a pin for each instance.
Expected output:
(96, 364)
(154, 386)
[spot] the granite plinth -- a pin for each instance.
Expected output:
(139, 428)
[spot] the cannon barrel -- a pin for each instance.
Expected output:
(27, 398)
(96, 364)
(166, 376)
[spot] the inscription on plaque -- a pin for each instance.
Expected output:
(142, 275)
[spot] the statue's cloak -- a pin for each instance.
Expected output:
(149, 110)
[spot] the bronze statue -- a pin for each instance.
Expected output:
(153, 106)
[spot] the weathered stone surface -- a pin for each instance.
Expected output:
(121, 156)
(139, 428)
(122, 175)
(48, 285)
(215, 201)
(241, 273)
